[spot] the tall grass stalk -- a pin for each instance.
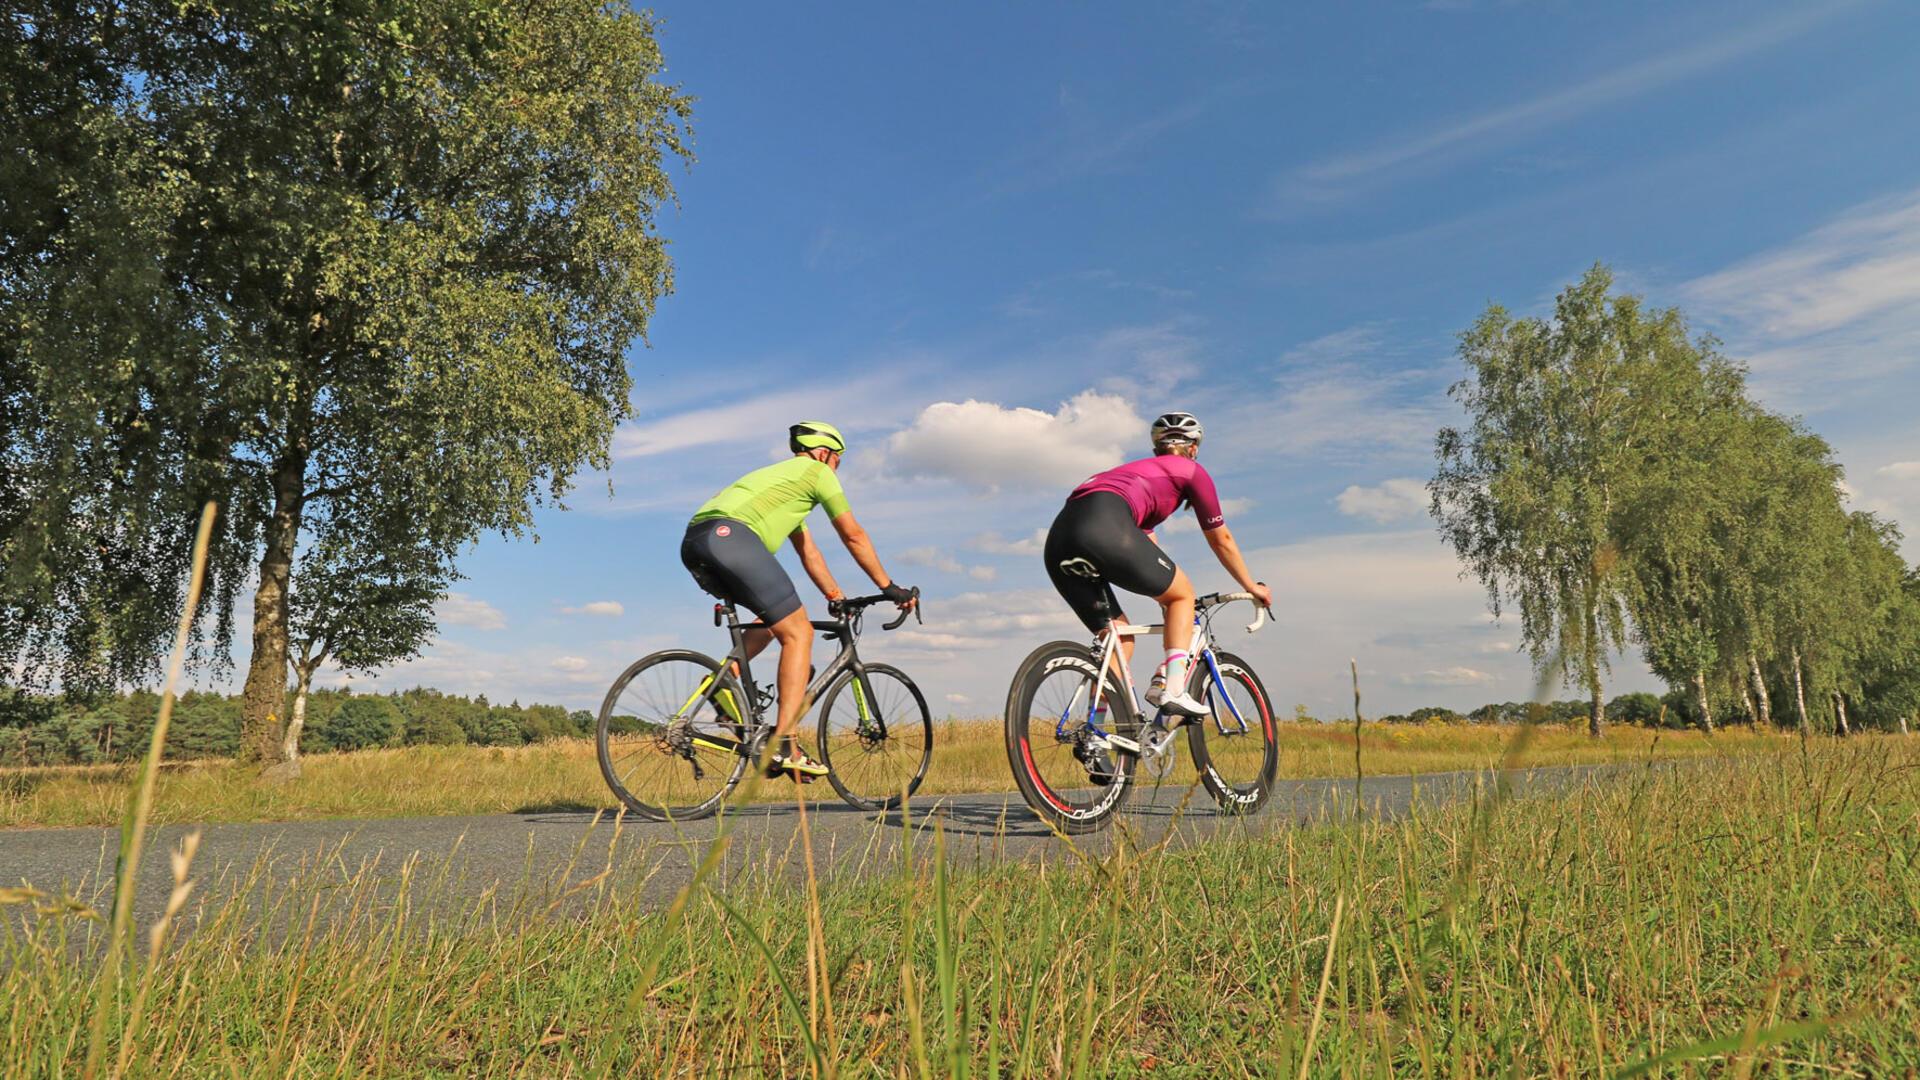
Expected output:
(133, 832)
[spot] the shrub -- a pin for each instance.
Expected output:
(360, 723)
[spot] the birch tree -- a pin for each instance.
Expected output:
(1537, 493)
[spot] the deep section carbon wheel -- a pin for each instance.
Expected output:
(1062, 766)
(877, 737)
(1236, 756)
(671, 736)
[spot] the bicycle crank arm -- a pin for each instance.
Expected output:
(1122, 743)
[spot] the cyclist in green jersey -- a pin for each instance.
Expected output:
(729, 548)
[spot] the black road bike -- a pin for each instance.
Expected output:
(679, 729)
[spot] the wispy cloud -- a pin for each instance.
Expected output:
(1822, 314)
(606, 609)
(935, 558)
(1332, 177)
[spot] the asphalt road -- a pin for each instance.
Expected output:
(536, 857)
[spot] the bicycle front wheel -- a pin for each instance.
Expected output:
(876, 737)
(1234, 749)
(672, 736)
(1071, 777)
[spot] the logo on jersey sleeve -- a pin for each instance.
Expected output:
(723, 531)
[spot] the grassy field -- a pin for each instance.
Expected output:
(1757, 914)
(968, 756)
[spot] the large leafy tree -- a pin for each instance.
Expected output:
(1538, 493)
(388, 252)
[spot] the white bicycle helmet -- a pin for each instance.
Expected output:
(1177, 427)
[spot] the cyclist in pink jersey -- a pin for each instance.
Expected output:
(1104, 537)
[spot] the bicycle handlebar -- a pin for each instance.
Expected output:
(1213, 600)
(848, 605)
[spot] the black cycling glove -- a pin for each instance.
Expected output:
(897, 593)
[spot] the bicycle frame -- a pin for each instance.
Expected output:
(848, 659)
(1106, 648)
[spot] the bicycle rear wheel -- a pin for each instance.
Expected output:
(1237, 756)
(671, 745)
(876, 739)
(1070, 779)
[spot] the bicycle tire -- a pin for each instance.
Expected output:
(1041, 774)
(875, 774)
(1208, 744)
(635, 759)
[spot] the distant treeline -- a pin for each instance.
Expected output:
(1676, 709)
(52, 731)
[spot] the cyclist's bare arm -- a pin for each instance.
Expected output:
(1228, 552)
(815, 564)
(861, 548)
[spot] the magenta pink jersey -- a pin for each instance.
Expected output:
(1154, 488)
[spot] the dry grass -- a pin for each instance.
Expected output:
(968, 756)
(1757, 915)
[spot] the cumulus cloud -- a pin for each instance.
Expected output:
(1901, 470)
(1385, 502)
(606, 609)
(994, 544)
(958, 699)
(459, 609)
(988, 446)
(569, 663)
(944, 562)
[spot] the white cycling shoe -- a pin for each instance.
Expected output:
(1181, 704)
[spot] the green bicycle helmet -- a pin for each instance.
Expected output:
(815, 435)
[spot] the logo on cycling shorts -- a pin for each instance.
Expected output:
(1080, 567)
(723, 530)
(1164, 563)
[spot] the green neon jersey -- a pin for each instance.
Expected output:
(776, 500)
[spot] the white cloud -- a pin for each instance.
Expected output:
(1901, 470)
(988, 446)
(569, 663)
(958, 699)
(1332, 177)
(944, 562)
(1388, 501)
(459, 609)
(994, 544)
(1450, 676)
(1838, 306)
(1339, 347)
(606, 609)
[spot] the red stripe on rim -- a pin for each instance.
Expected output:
(1033, 773)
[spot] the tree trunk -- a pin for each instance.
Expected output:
(1746, 702)
(1799, 694)
(289, 766)
(1840, 713)
(1903, 725)
(1706, 705)
(262, 735)
(1598, 715)
(1765, 716)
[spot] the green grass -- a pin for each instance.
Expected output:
(1754, 914)
(968, 756)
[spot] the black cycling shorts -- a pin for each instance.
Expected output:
(729, 561)
(1095, 545)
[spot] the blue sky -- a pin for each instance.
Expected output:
(989, 242)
